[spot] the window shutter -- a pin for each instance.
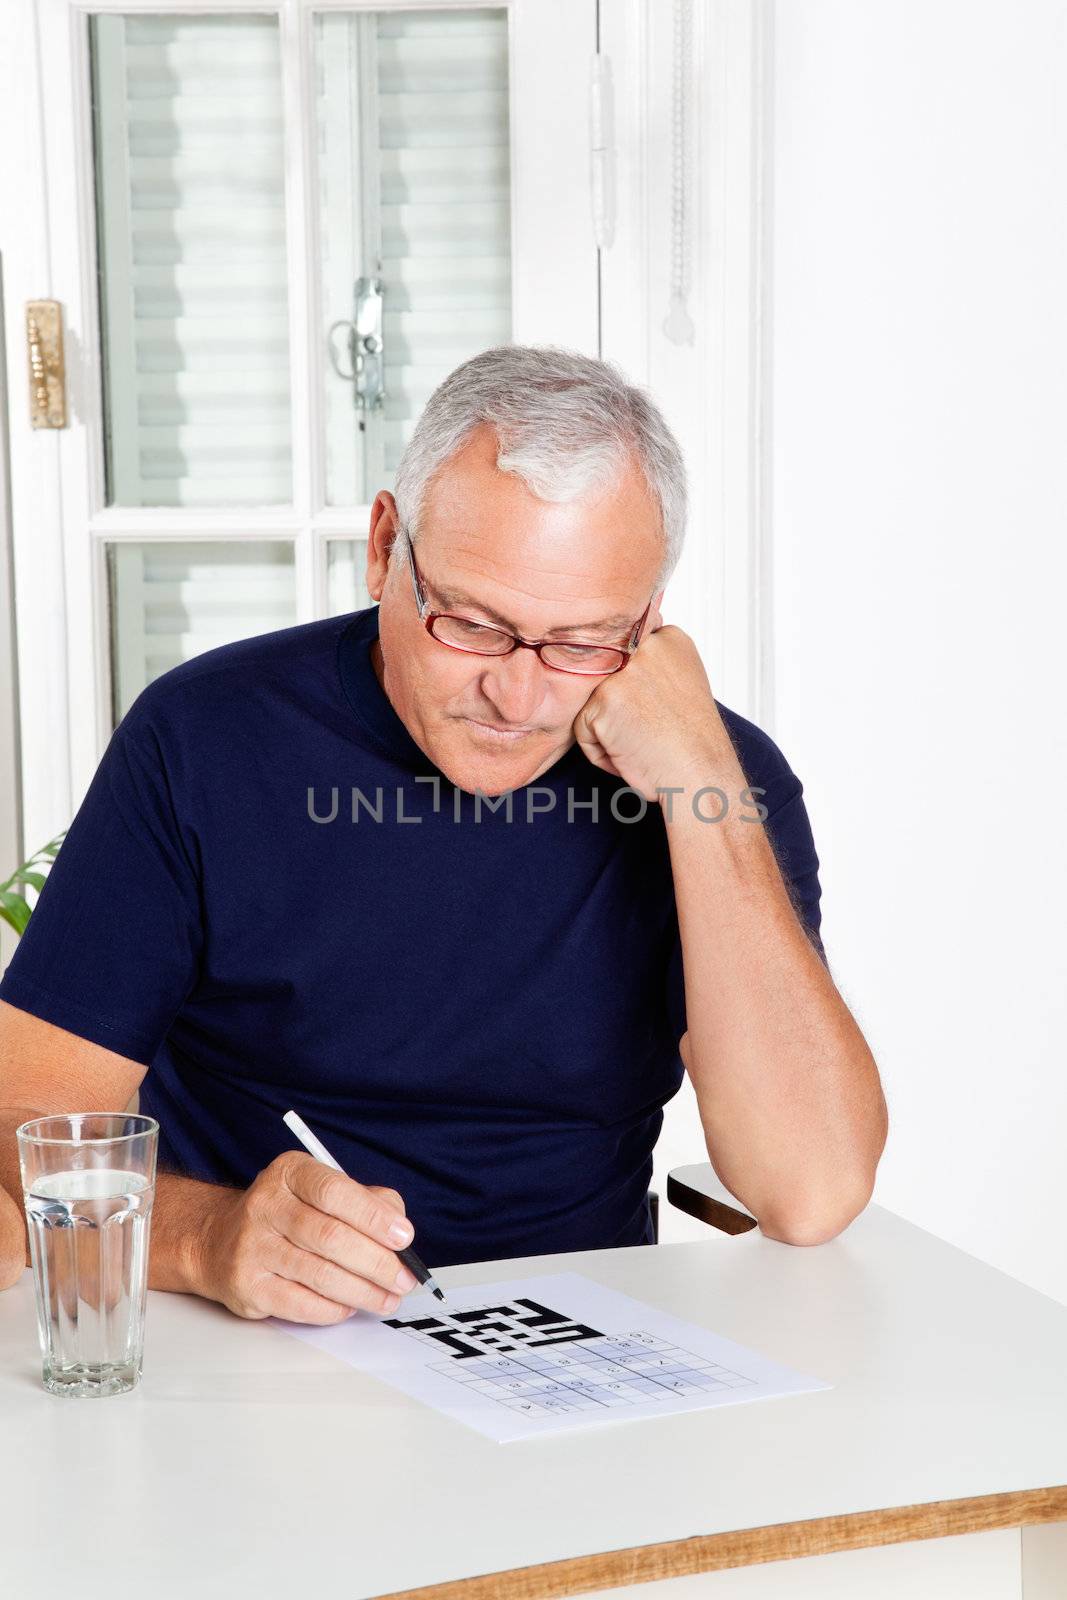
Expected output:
(415, 190)
(191, 231)
(171, 600)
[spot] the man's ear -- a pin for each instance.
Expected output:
(380, 539)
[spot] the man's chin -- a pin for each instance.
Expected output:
(493, 771)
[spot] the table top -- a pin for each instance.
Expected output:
(247, 1462)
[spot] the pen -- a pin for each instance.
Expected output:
(316, 1147)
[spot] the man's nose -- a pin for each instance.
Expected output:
(515, 684)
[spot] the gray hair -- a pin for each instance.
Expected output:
(565, 423)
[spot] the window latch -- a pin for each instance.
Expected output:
(364, 344)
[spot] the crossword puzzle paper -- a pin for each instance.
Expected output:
(541, 1355)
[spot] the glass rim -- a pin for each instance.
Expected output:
(151, 1126)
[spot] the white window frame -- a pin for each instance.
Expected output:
(61, 524)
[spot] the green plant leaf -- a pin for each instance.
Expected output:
(14, 910)
(13, 907)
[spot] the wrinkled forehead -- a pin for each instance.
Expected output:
(478, 522)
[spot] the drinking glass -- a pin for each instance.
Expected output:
(88, 1180)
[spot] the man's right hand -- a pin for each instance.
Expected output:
(305, 1243)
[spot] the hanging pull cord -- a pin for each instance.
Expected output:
(678, 324)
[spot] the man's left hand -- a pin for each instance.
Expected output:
(655, 724)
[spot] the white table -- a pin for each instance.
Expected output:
(249, 1464)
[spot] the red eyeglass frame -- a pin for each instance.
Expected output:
(428, 618)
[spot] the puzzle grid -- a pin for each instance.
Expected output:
(532, 1359)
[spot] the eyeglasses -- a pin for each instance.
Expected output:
(480, 639)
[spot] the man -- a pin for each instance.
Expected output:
(463, 879)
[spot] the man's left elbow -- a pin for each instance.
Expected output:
(818, 1227)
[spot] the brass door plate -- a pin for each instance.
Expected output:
(48, 385)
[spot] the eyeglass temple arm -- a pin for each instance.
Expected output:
(420, 598)
(638, 625)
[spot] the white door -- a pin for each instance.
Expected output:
(232, 204)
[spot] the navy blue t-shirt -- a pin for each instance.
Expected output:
(477, 1007)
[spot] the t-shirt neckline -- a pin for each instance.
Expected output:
(367, 698)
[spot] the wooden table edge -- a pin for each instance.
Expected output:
(715, 1552)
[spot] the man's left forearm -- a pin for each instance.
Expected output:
(789, 1093)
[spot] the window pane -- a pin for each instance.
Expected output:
(346, 585)
(191, 231)
(414, 190)
(170, 601)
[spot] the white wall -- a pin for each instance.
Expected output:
(919, 477)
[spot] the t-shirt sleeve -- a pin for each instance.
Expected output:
(775, 787)
(112, 947)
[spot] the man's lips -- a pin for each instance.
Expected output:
(494, 730)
